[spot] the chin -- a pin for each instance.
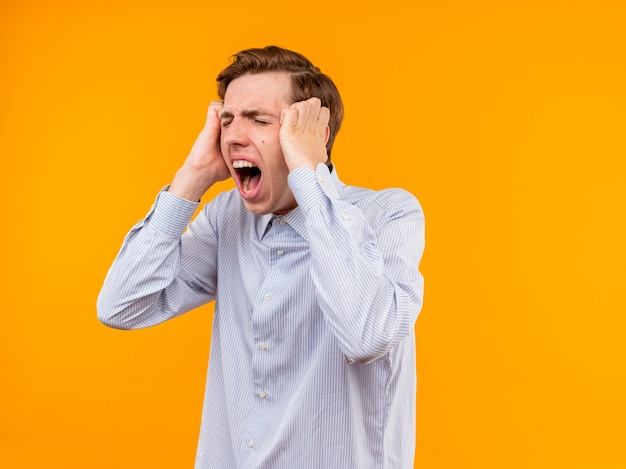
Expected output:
(263, 208)
(257, 209)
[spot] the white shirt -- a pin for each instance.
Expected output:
(312, 361)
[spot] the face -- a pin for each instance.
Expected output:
(250, 144)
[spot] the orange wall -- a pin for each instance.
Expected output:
(506, 119)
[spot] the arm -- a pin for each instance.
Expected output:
(364, 268)
(364, 263)
(148, 282)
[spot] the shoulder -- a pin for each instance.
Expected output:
(226, 208)
(386, 202)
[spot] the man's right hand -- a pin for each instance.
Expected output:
(204, 166)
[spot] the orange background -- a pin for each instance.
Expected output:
(506, 119)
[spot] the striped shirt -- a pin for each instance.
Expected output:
(312, 361)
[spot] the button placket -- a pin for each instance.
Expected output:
(278, 246)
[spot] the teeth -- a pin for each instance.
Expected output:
(242, 164)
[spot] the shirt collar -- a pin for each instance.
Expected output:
(261, 224)
(295, 218)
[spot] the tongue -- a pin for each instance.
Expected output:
(250, 183)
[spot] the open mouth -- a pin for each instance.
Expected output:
(249, 176)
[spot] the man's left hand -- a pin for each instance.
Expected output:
(304, 133)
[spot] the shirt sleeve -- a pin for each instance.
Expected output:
(147, 283)
(364, 267)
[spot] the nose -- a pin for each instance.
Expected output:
(235, 133)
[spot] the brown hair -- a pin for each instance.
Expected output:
(307, 80)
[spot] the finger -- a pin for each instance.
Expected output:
(313, 106)
(213, 117)
(289, 117)
(315, 102)
(304, 109)
(215, 106)
(323, 117)
(301, 112)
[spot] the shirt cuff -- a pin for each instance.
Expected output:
(309, 187)
(171, 214)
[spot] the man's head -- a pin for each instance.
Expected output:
(307, 80)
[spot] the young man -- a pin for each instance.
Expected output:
(316, 286)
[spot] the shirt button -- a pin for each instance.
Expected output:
(263, 346)
(267, 297)
(345, 217)
(280, 252)
(250, 444)
(321, 179)
(283, 221)
(262, 395)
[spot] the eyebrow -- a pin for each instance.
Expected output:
(248, 113)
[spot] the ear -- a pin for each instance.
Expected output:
(326, 135)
